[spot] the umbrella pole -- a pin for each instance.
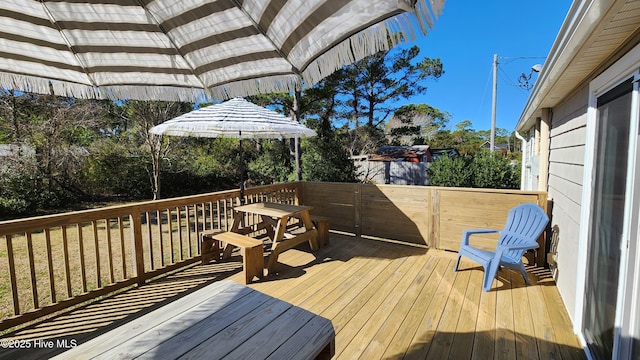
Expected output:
(241, 172)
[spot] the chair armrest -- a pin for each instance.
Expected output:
(529, 246)
(467, 234)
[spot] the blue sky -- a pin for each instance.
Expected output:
(465, 37)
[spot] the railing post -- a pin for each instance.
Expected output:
(435, 216)
(299, 188)
(357, 216)
(541, 253)
(136, 236)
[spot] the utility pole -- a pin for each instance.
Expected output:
(493, 102)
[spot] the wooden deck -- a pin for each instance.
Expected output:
(386, 301)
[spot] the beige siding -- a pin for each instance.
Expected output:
(566, 171)
(567, 252)
(569, 172)
(566, 190)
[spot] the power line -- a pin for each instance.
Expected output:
(513, 58)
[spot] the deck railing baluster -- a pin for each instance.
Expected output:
(65, 258)
(180, 243)
(107, 225)
(150, 237)
(52, 281)
(160, 238)
(171, 248)
(32, 271)
(96, 242)
(188, 216)
(123, 252)
(12, 275)
(83, 272)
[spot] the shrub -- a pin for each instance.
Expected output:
(484, 170)
(494, 171)
(111, 171)
(11, 207)
(24, 193)
(450, 172)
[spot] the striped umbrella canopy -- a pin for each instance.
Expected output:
(235, 118)
(190, 50)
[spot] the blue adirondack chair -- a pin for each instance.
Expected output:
(524, 224)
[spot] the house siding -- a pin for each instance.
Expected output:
(596, 49)
(566, 170)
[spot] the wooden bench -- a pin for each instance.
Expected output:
(210, 248)
(251, 250)
(322, 224)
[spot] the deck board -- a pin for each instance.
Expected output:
(446, 330)
(386, 318)
(505, 332)
(462, 345)
(389, 329)
(386, 301)
(526, 346)
(544, 332)
(485, 333)
(421, 340)
(353, 319)
(398, 346)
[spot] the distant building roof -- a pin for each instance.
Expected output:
(438, 153)
(487, 145)
(392, 153)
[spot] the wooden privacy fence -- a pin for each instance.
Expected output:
(53, 262)
(423, 215)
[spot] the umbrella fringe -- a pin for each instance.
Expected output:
(265, 85)
(33, 84)
(426, 13)
(397, 29)
(168, 93)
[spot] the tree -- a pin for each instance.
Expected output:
(415, 124)
(324, 157)
(287, 104)
(53, 134)
(366, 90)
(144, 115)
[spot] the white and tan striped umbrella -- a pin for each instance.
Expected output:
(235, 118)
(186, 49)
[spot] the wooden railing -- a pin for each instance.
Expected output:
(53, 262)
(58, 261)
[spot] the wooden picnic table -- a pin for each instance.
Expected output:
(224, 320)
(274, 218)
